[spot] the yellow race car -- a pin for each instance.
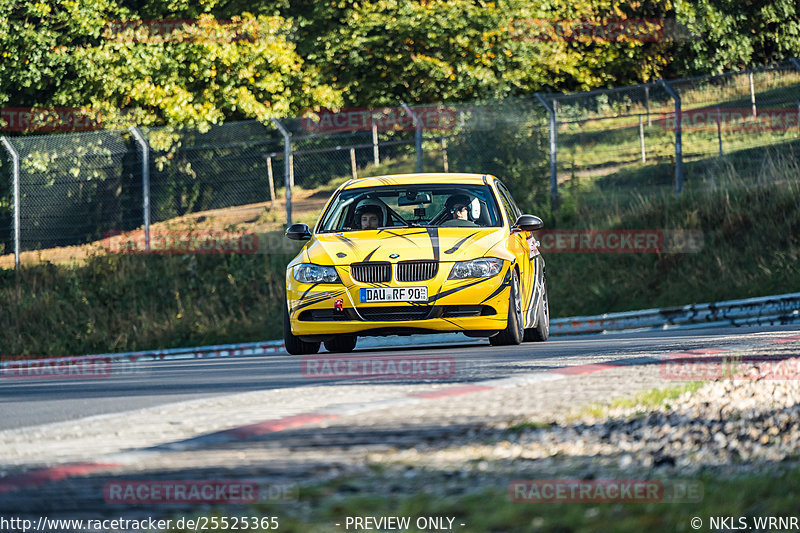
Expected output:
(416, 253)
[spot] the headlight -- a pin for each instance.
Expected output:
(477, 268)
(308, 273)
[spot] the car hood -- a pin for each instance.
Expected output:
(443, 244)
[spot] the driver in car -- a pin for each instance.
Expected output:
(458, 206)
(369, 216)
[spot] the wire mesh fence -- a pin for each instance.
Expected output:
(75, 188)
(195, 171)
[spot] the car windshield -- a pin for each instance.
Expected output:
(411, 205)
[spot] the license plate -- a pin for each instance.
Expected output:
(394, 294)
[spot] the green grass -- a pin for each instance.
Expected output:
(601, 140)
(582, 150)
(132, 302)
(642, 400)
(749, 218)
(490, 509)
(528, 424)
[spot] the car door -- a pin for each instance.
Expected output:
(523, 245)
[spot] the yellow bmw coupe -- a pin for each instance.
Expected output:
(416, 253)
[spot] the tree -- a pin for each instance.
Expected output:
(735, 35)
(386, 51)
(104, 57)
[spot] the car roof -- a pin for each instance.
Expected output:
(448, 178)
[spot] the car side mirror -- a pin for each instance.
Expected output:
(298, 232)
(529, 223)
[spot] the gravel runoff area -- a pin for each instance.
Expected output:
(727, 427)
(741, 423)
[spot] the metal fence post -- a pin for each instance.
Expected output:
(271, 181)
(353, 166)
(641, 139)
(417, 135)
(719, 133)
(376, 155)
(553, 151)
(752, 94)
(15, 171)
(678, 141)
(140, 140)
(287, 168)
(796, 64)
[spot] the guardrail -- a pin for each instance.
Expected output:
(778, 309)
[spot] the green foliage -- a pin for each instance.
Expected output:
(81, 54)
(733, 35)
(35, 40)
(387, 51)
(513, 146)
(266, 59)
(243, 69)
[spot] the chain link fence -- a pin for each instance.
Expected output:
(76, 188)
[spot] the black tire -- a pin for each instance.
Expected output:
(541, 331)
(341, 343)
(515, 327)
(292, 342)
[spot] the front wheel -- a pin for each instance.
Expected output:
(292, 342)
(515, 327)
(541, 331)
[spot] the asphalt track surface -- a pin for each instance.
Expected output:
(30, 402)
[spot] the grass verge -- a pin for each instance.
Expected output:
(491, 509)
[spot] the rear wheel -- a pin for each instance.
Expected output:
(292, 342)
(515, 327)
(542, 329)
(341, 343)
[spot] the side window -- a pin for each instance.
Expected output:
(514, 207)
(508, 204)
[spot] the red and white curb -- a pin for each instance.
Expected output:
(41, 476)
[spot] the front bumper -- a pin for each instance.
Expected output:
(475, 305)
